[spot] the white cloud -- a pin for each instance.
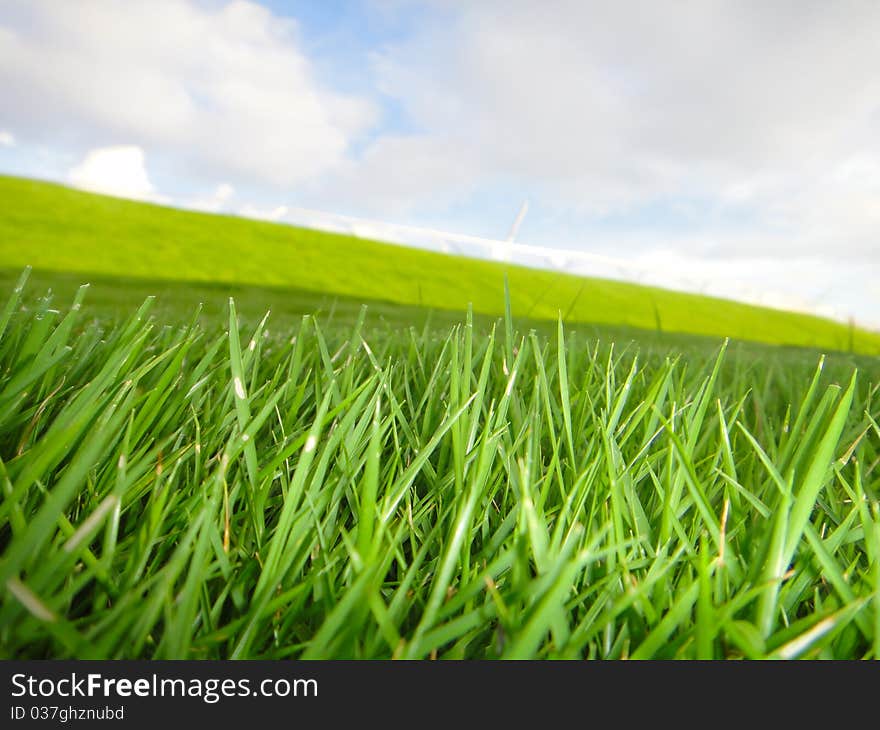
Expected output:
(6, 139)
(798, 284)
(755, 111)
(216, 202)
(278, 213)
(118, 171)
(398, 172)
(223, 90)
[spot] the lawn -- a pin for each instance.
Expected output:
(58, 230)
(224, 485)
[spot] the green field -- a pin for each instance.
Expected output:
(576, 469)
(56, 229)
(217, 486)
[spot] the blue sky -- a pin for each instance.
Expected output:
(732, 146)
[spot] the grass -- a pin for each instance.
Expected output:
(56, 229)
(221, 486)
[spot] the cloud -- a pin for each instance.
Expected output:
(276, 214)
(762, 113)
(216, 202)
(6, 139)
(115, 171)
(218, 90)
(397, 173)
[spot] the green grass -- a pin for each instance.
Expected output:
(225, 486)
(55, 229)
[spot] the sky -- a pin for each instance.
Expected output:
(730, 147)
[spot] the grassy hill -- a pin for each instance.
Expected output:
(56, 229)
(403, 484)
